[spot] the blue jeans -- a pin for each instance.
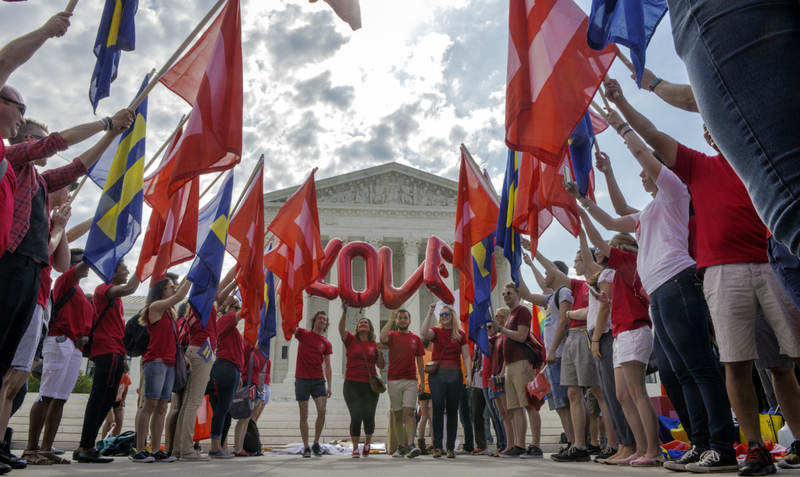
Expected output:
(494, 414)
(673, 388)
(445, 387)
(465, 414)
(787, 267)
(742, 57)
(680, 317)
(226, 377)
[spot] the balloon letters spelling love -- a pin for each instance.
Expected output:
(379, 277)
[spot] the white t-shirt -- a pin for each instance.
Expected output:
(552, 318)
(662, 230)
(606, 275)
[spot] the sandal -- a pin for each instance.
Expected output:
(34, 458)
(54, 458)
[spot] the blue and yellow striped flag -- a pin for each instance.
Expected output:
(507, 237)
(115, 35)
(269, 321)
(212, 234)
(479, 311)
(118, 219)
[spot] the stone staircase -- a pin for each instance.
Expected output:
(278, 423)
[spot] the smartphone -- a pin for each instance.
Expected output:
(567, 176)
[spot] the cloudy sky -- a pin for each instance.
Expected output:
(419, 78)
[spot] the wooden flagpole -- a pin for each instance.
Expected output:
(71, 6)
(626, 61)
(212, 184)
(177, 53)
(169, 140)
(603, 96)
(80, 186)
(247, 186)
(599, 110)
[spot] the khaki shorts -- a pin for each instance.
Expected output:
(518, 375)
(403, 394)
(735, 292)
(577, 361)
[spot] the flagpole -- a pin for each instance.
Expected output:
(80, 186)
(481, 176)
(247, 186)
(169, 140)
(599, 110)
(71, 6)
(603, 96)
(212, 184)
(626, 61)
(177, 53)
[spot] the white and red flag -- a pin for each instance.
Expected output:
(552, 75)
(298, 257)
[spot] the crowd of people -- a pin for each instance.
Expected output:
(693, 283)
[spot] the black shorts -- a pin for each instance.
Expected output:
(305, 387)
(117, 405)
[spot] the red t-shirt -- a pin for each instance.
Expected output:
(311, 352)
(7, 188)
(109, 333)
(357, 369)
(629, 301)
(580, 295)
(198, 335)
(403, 351)
(75, 318)
(486, 374)
(46, 282)
(496, 343)
(260, 365)
(229, 341)
(728, 228)
(512, 349)
(452, 351)
(162, 340)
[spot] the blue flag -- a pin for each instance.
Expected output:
(626, 22)
(212, 234)
(115, 35)
(479, 311)
(269, 322)
(580, 150)
(507, 237)
(118, 220)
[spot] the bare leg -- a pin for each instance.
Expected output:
(508, 422)
(631, 412)
(577, 414)
(304, 421)
(143, 421)
(787, 391)
(520, 425)
(238, 435)
(12, 383)
(172, 421)
(739, 383)
(157, 425)
(321, 404)
(566, 422)
(397, 428)
(36, 422)
(536, 426)
(108, 424)
(52, 422)
(411, 422)
(606, 417)
(634, 376)
(119, 419)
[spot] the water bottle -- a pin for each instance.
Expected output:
(785, 437)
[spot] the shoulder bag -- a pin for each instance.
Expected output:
(375, 382)
(242, 404)
(181, 370)
(87, 348)
(432, 366)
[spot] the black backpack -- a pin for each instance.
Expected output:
(136, 338)
(252, 439)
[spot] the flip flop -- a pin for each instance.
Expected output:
(54, 458)
(34, 458)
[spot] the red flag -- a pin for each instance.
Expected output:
(552, 75)
(212, 140)
(531, 215)
(348, 10)
(477, 209)
(246, 245)
(563, 206)
(298, 257)
(155, 185)
(599, 124)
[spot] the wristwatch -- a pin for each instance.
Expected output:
(654, 83)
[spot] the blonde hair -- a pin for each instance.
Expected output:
(624, 242)
(503, 311)
(453, 322)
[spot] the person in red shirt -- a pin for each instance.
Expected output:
(158, 366)
(449, 349)
(312, 351)
(108, 354)
(71, 323)
(492, 370)
(405, 363)
(252, 374)
(363, 354)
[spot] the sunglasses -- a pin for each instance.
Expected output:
(509, 293)
(169, 286)
(21, 107)
(444, 313)
(236, 307)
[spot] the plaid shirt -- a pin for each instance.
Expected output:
(21, 157)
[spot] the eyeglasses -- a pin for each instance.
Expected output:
(169, 286)
(444, 313)
(236, 307)
(578, 260)
(36, 136)
(20, 106)
(509, 293)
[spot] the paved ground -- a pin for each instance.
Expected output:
(335, 466)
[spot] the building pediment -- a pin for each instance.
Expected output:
(392, 184)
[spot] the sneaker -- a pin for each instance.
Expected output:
(691, 456)
(141, 457)
(57, 451)
(365, 451)
(92, 456)
(220, 454)
(594, 450)
(464, 451)
(515, 451)
(194, 456)
(532, 452)
(9, 459)
(307, 452)
(197, 448)
(160, 456)
(436, 453)
(355, 454)
(758, 461)
(573, 454)
(317, 450)
(399, 452)
(792, 459)
(412, 451)
(711, 461)
(561, 450)
(606, 453)
(451, 454)
(481, 452)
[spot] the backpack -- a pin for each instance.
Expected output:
(252, 439)
(557, 294)
(120, 445)
(136, 338)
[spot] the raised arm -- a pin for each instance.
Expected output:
(58, 220)
(225, 292)
(157, 308)
(526, 294)
(18, 51)
(561, 279)
(621, 207)
(586, 255)
(384, 337)
(78, 231)
(82, 132)
(617, 224)
(638, 148)
(537, 274)
(61, 256)
(679, 95)
(380, 362)
(91, 156)
(425, 329)
(578, 315)
(662, 143)
(127, 289)
(343, 322)
(594, 235)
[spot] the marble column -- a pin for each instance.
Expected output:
(334, 313)
(374, 312)
(410, 265)
(293, 343)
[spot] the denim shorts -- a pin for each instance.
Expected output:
(305, 387)
(558, 393)
(158, 380)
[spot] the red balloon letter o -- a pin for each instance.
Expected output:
(372, 291)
